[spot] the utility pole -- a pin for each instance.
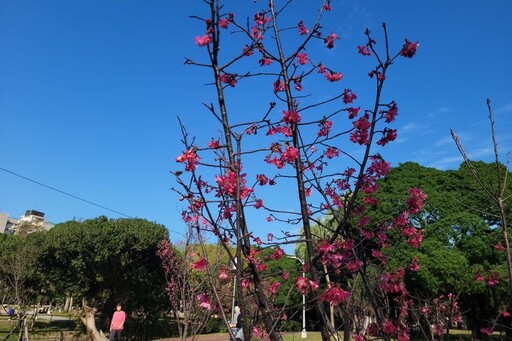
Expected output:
(304, 333)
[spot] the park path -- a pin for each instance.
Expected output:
(208, 337)
(225, 337)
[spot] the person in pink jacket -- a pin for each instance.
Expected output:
(117, 324)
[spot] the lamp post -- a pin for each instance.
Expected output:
(304, 333)
(233, 267)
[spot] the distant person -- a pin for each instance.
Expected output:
(10, 312)
(236, 325)
(117, 324)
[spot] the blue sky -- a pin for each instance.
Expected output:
(90, 92)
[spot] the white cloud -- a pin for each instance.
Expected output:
(448, 162)
(454, 161)
(464, 137)
(409, 127)
(507, 108)
(441, 110)
(444, 141)
(401, 139)
(482, 152)
(504, 137)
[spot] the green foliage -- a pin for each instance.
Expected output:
(214, 325)
(108, 261)
(284, 271)
(460, 228)
(18, 273)
(291, 326)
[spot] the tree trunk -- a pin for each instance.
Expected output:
(68, 304)
(90, 323)
(347, 325)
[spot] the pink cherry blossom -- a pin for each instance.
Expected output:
(258, 204)
(262, 267)
(223, 275)
(204, 301)
(335, 295)
(414, 265)
(248, 51)
(499, 247)
(302, 284)
(416, 200)
(354, 265)
(261, 19)
(332, 152)
(389, 328)
(279, 86)
(348, 96)
(200, 264)
(413, 236)
(388, 135)
(303, 30)
(190, 158)
(278, 253)
(262, 179)
(259, 333)
(391, 113)
(333, 76)
(313, 285)
(274, 287)
(331, 38)
(297, 84)
(363, 50)
(246, 283)
(487, 331)
(256, 33)
(230, 183)
(493, 279)
(214, 144)
(265, 61)
(325, 127)
(360, 135)
(409, 49)
(203, 40)
(229, 78)
(290, 154)
(352, 112)
(302, 58)
(291, 117)
(224, 23)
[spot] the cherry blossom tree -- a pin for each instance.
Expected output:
(312, 148)
(500, 199)
(190, 291)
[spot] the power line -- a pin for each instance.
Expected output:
(65, 193)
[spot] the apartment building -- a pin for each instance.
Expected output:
(31, 221)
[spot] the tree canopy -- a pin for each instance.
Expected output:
(105, 261)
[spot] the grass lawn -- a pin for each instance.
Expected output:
(315, 336)
(312, 336)
(42, 329)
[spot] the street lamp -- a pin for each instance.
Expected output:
(233, 267)
(304, 333)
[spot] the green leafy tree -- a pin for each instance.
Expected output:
(458, 255)
(18, 267)
(102, 262)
